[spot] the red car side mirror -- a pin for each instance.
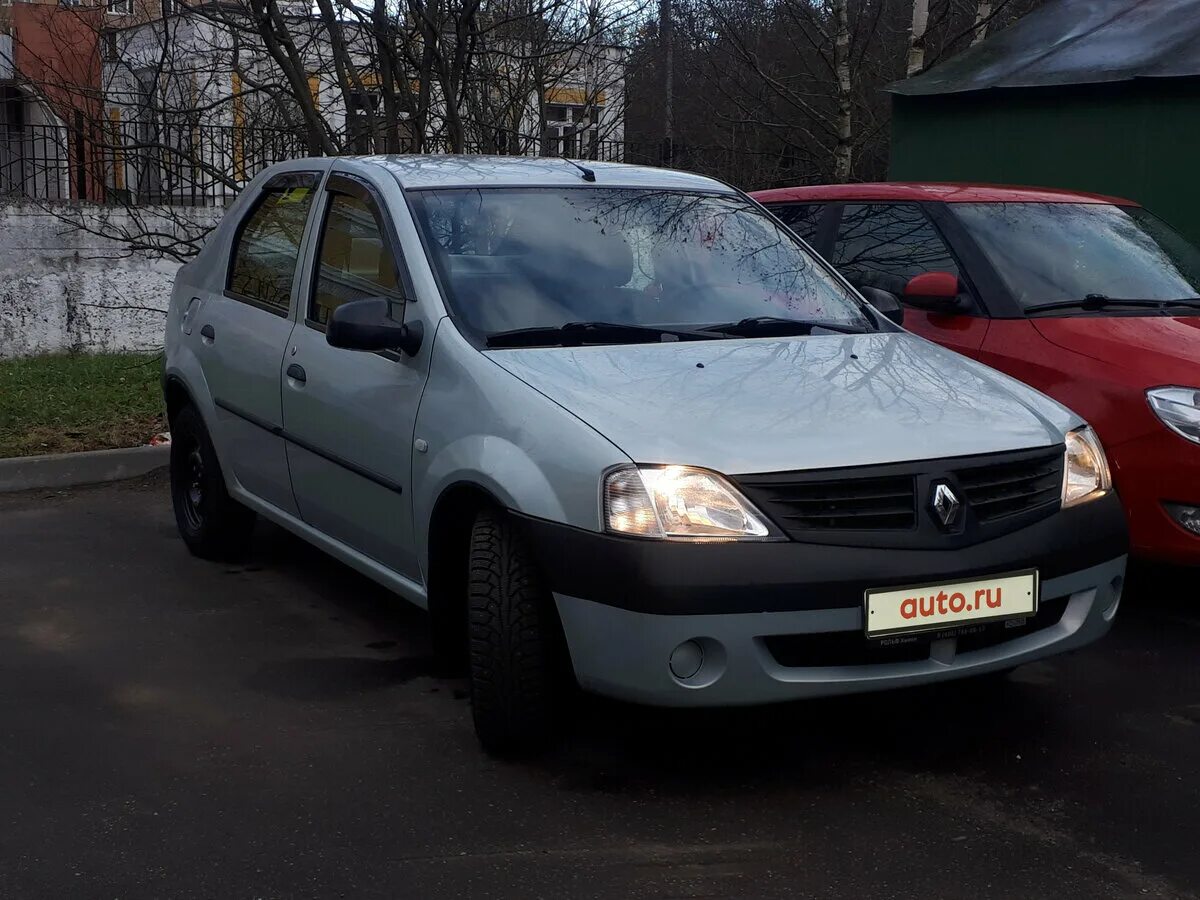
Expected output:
(934, 291)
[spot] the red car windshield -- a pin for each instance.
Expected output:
(1051, 252)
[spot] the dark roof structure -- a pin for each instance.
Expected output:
(1075, 42)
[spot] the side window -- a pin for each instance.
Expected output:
(802, 218)
(355, 258)
(268, 246)
(883, 245)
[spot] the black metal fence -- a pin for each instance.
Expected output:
(136, 162)
(197, 164)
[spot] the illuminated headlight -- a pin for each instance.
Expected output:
(1086, 476)
(1179, 409)
(679, 502)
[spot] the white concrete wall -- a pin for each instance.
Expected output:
(63, 288)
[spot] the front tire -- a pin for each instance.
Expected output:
(519, 672)
(211, 523)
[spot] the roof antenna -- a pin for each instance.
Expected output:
(588, 174)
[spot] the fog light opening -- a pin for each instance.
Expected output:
(1186, 516)
(697, 662)
(686, 660)
(1117, 585)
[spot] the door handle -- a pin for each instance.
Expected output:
(297, 373)
(207, 332)
(186, 322)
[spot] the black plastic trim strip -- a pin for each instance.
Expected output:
(279, 431)
(248, 416)
(681, 578)
(285, 181)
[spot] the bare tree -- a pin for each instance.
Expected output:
(844, 120)
(789, 91)
(181, 111)
(916, 40)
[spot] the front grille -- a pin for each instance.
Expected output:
(853, 648)
(890, 505)
(998, 490)
(843, 648)
(852, 503)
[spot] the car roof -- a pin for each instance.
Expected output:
(447, 170)
(943, 192)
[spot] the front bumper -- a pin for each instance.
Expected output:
(1158, 467)
(627, 604)
(624, 654)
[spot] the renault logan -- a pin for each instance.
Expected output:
(616, 428)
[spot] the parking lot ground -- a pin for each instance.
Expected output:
(176, 728)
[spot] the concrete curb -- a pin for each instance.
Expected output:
(60, 470)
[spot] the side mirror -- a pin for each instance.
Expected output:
(934, 291)
(367, 325)
(887, 303)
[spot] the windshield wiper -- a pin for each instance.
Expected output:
(1100, 301)
(777, 326)
(575, 334)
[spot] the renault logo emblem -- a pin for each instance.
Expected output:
(945, 505)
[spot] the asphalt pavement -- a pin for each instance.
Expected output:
(171, 727)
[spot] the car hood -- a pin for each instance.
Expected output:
(745, 406)
(1160, 349)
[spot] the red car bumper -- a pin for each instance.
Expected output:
(1148, 471)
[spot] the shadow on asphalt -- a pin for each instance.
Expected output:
(619, 747)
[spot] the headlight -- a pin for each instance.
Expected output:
(1179, 409)
(679, 502)
(1086, 476)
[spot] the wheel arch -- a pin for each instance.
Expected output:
(447, 564)
(176, 395)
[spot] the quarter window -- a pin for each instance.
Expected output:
(267, 247)
(355, 258)
(884, 245)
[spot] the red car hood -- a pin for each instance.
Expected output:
(1159, 349)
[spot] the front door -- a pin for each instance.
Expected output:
(883, 245)
(350, 415)
(241, 333)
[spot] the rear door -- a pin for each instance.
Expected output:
(241, 334)
(883, 245)
(350, 415)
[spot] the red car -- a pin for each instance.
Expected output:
(1089, 299)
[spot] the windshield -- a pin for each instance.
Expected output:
(1048, 252)
(543, 258)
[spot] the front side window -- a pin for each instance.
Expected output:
(355, 258)
(802, 218)
(267, 247)
(1056, 252)
(548, 257)
(883, 245)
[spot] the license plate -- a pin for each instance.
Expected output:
(937, 607)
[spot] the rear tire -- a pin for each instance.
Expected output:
(211, 523)
(519, 670)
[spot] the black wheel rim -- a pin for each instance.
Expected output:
(191, 487)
